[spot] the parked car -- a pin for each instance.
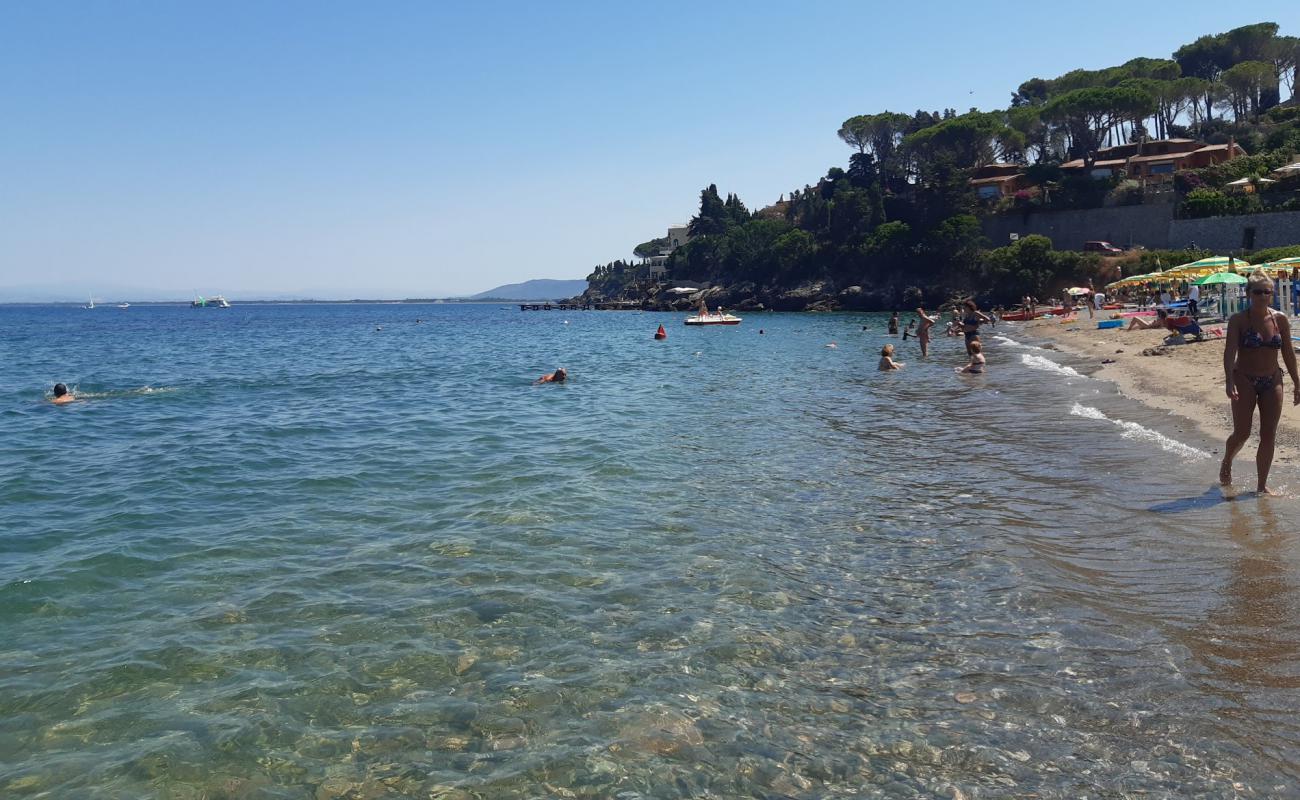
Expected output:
(1102, 247)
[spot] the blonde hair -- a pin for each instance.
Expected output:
(887, 351)
(975, 346)
(1259, 277)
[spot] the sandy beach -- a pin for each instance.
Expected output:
(1185, 379)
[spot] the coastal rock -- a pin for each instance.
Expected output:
(660, 730)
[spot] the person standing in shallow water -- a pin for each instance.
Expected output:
(1253, 377)
(970, 324)
(893, 324)
(923, 330)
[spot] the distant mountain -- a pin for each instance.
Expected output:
(540, 289)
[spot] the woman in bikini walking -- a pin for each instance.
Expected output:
(1253, 377)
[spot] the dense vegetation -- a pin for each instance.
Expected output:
(902, 218)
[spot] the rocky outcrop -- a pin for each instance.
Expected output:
(808, 296)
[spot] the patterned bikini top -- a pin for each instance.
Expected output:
(1251, 339)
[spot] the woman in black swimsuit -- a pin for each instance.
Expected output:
(970, 324)
(1253, 378)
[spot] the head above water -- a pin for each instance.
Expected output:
(60, 390)
(887, 351)
(975, 346)
(561, 374)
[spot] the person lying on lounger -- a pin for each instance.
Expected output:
(1184, 325)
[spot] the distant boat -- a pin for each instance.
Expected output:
(124, 306)
(92, 302)
(716, 318)
(211, 302)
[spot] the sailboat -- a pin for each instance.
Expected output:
(92, 302)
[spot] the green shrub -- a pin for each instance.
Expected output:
(1204, 203)
(1152, 260)
(1275, 254)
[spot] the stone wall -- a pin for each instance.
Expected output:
(1147, 225)
(1230, 234)
(1152, 226)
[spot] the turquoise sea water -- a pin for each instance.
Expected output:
(351, 552)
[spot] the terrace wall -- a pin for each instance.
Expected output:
(1147, 225)
(1227, 234)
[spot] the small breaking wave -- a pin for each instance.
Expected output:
(1132, 430)
(1007, 340)
(1047, 365)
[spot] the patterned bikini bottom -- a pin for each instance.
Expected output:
(1264, 384)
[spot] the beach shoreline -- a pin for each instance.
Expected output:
(1185, 380)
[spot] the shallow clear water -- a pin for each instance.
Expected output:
(278, 552)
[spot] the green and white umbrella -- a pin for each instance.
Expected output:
(1220, 277)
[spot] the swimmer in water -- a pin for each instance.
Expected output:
(61, 395)
(976, 365)
(887, 361)
(557, 376)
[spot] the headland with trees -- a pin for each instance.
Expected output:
(900, 223)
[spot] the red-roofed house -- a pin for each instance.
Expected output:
(993, 181)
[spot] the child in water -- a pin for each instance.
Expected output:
(887, 361)
(976, 365)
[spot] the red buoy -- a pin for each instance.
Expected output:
(661, 333)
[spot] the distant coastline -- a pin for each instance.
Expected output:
(305, 302)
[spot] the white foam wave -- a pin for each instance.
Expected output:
(1132, 430)
(1007, 340)
(1047, 365)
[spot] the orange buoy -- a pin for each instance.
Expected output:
(661, 333)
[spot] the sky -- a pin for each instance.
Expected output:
(429, 149)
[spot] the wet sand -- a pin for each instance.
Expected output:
(1185, 379)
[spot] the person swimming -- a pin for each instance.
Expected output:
(61, 395)
(887, 361)
(976, 365)
(558, 376)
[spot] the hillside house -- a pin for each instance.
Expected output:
(994, 181)
(1154, 161)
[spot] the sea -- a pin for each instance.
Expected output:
(352, 551)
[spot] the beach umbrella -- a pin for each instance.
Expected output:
(1288, 170)
(1222, 280)
(1214, 263)
(1075, 291)
(1220, 277)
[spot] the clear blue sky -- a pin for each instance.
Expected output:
(421, 148)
